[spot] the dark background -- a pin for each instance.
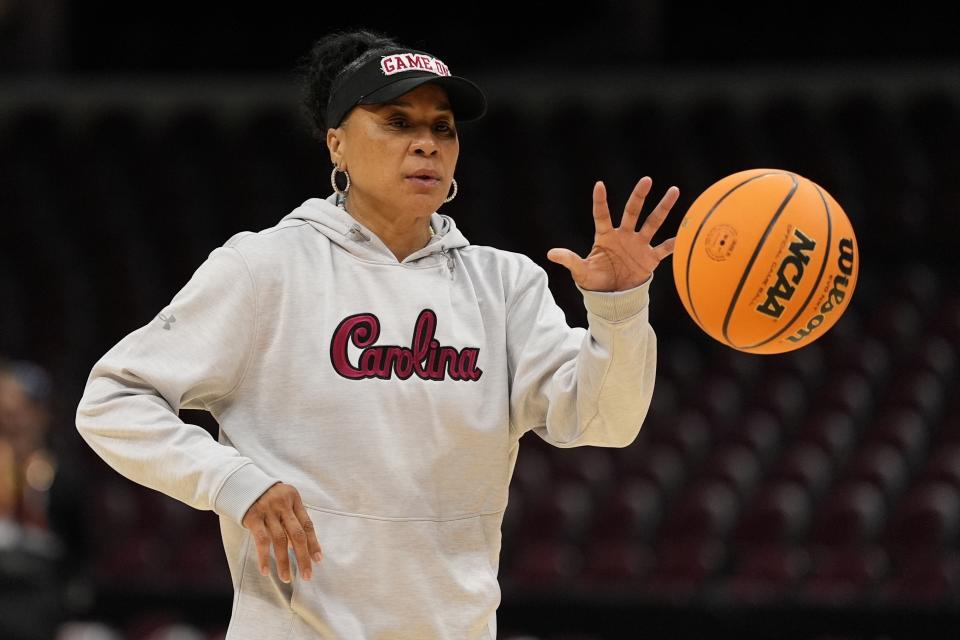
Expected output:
(102, 37)
(135, 139)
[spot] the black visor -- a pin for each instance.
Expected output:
(392, 73)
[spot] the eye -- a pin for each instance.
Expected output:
(398, 123)
(445, 127)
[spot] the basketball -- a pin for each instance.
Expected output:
(765, 261)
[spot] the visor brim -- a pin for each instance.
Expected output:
(466, 98)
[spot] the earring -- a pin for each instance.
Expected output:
(333, 181)
(454, 194)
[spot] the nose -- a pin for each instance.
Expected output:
(425, 146)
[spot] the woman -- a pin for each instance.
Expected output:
(372, 372)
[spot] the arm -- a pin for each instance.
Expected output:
(577, 387)
(194, 353)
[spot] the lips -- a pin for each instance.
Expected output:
(425, 178)
(426, 182)
(425, 173)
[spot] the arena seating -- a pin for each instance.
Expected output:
(826, 475)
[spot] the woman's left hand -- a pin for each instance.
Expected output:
(621, 258)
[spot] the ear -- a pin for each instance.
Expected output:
(336, 146)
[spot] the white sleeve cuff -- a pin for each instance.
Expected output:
(240, 490)
(615, 306)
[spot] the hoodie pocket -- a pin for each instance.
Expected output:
(400, 579)
(261, 605)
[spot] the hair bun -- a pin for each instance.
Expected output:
(326, 59)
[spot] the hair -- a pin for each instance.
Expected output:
(318, 69)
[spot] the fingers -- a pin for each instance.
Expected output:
(635, 203)
(313, 545)
(601, 212)
(261, 537)
(279, 538)
(567, 258)
(297, 537)
(665, 248)
(279, 518)
(657, 216)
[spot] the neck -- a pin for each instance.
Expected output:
(403, 234)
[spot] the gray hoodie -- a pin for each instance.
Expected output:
(391, 394)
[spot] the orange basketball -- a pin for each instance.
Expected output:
(765, 261)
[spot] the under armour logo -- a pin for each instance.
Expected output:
(166, 320)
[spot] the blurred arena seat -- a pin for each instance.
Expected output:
(828, 474)
(767, 573)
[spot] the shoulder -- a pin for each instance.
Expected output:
(511, 263)
(265, 239)
(516, 271)
(267, 247)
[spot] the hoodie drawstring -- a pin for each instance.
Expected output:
(355, 230)
(361, 237)
(449, 258)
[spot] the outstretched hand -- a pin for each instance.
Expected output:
(621, 258)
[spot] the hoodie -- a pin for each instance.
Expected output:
(391, 394)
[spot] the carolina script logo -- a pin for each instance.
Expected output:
(424, 357)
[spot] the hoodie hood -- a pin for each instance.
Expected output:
(327, 217)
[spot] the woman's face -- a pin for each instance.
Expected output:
(401, 155)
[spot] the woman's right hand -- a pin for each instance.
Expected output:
(278, 516)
